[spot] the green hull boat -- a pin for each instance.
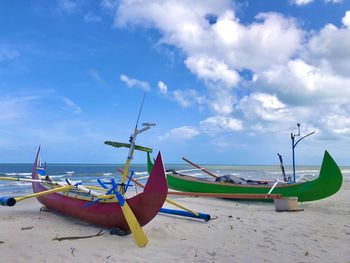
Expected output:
(328, 183)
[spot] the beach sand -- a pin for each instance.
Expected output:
(239, 232)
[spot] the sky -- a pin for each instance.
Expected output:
(226, 82)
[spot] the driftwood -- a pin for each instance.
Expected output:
(100, 233)
(27, 227)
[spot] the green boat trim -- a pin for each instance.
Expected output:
(149, 163)
(127, 145)
(328, 183)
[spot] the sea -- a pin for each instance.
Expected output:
(89, 173)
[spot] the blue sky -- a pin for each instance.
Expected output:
(225, 81)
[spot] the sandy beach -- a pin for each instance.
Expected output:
(239, 232)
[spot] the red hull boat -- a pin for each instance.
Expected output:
(107, 212)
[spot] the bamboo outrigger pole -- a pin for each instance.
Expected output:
(200, 168)
(54, 190)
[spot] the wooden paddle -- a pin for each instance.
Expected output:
(135, 228)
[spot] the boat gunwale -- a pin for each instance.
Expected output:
(76, 194)
(197, 180)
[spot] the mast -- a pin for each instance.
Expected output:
(294, 144)
(133, 145)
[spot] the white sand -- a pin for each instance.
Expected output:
(242, 232)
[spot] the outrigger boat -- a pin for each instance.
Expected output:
(328, 183)
(105, 209)
(110, 208)
(107, 206)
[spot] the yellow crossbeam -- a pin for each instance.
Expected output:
(58, 189)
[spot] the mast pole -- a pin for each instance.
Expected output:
(293, 147)
(294, 144)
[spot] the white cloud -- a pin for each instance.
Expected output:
(300, 83)
(302, 2)
(262, 107)
(329, 49)
(70, 106)
(220, 81)
(346, 19)
(220, 124)
(222, 103)
(187, 98)
(215, 52)
(181, 133)
(184, 25)
(209, 69)
(336, 123)
(249, 46)
(163, 88)
(134, 83)
(294, 71)
(162, 14)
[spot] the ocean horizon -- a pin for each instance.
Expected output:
(89, 173)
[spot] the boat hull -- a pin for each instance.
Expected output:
(327, 184)
(109, 214)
